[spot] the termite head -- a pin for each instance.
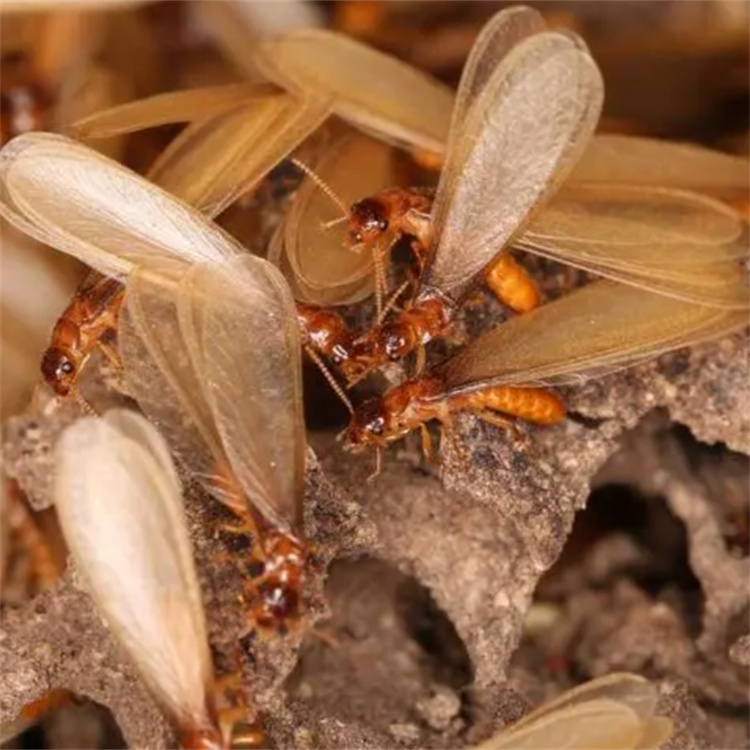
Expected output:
(390, 342)
(368, 220)
(60, 369)
(370, 426)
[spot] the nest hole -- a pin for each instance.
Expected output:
(77, 722)
(388, 656)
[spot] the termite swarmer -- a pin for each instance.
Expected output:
(525, 112)
(169, 255)
(119, 501)
(601, 327)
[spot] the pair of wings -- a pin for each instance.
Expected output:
(616, 711)
(120, 507)
(635, 210)
(522, 168)
(209, 338)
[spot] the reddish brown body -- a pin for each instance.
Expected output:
(277, 600)
(408, 211)
(393, 340)
(401, 210)
(91, 314)
(325, 332)
(407, 407)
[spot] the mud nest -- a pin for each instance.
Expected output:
(446, 600)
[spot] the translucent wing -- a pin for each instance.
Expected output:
(658, 238)
(160, 374)
(632, 689)
(370, 89)
(120, 507)
(498, 37)
(518, 142)
(172, 107)
(252, 379)
(615, 711)
(648, 161)
(590, 726)
(602, 325)
(70, 197)
(323, 270)
(214, 161)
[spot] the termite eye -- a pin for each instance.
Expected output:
(395, 346)
(377, 426)
(66, 368)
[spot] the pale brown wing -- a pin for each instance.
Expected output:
(661, 239)
(592, 725)
(637, 692)
(603, 325)
(252, 378)
(519, 141)
(649, 161)
(172, 107)
(215, 161)
(370, 89)
(69, 196)
(324, 271)
(160, 375)
(579, 717)
(120, 507)
(498, 36)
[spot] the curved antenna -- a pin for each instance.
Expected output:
(324, 187)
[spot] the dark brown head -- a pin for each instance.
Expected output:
(368, 220)
(60, 369)
(369, 427)
(389, 342)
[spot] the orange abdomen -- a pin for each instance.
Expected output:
(535, 405)
(512, 285)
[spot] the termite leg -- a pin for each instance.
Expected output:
(326, 638)
(421, 360)
(378, 465)
(512, 285)
(426, 439)
(110, 353)
(495, 419)
(520, 438)
(242, 528)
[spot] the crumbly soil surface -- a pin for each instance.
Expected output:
(446, 600)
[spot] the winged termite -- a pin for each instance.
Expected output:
(498, 189)
(616, 711)
(155, 611)
(232, 409)
(598, 328)
(119, 223)
(310, 246)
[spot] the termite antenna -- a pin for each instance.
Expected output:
(333, 222)
(84, 404)
(323, 186)
(391, 301)
(337, 389)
